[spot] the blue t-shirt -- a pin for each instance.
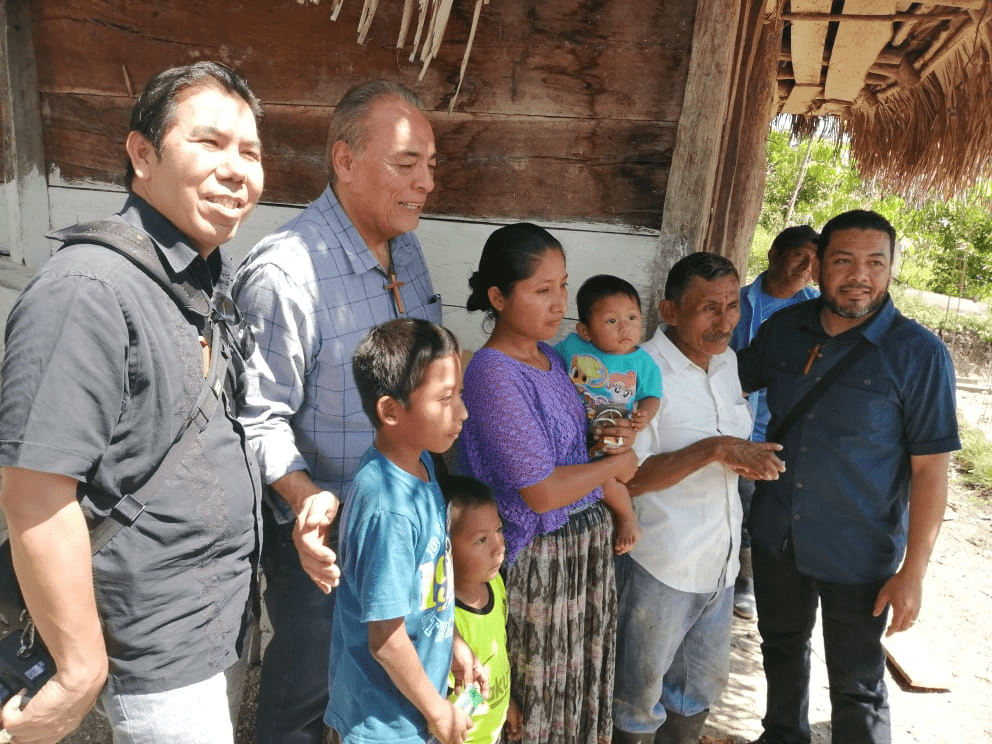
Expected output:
(756, 308)
(609, 379)
(395, 562)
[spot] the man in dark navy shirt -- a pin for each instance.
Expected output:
(854, 518)
(102, 372)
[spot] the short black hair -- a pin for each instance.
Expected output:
(392, 358)
(794, 237)
(708, 266)
(857, 219)
(596, 288)
(464, 490)
(154, 112)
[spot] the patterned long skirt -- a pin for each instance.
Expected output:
(561, 631)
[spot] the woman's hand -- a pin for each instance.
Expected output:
(625, 465)
(614, 438)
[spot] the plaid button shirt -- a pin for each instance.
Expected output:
(311, 290)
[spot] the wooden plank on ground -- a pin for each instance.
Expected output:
(856, 48)
(913, 666)
(808, 38)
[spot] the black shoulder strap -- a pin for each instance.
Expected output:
(832, 375)
(139, 249)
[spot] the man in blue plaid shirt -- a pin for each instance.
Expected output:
(311, 290)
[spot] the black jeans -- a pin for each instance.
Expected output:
(852, 640)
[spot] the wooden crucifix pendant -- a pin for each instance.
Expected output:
(394, 284)
(814, 353)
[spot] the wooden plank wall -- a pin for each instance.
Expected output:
(568, 110)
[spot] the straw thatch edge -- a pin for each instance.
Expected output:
(935, 138)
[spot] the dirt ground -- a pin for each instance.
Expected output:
(952, 640)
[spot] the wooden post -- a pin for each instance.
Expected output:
(23, 184)
(695, 161)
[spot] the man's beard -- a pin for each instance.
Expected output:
(855, 310)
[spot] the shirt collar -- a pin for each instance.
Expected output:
(661, 345)
(181, 257)
(360, 259)
(873, 329)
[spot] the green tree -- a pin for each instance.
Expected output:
(947, 244)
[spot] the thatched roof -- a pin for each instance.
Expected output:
(911, 84)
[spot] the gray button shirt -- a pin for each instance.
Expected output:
(101, 371)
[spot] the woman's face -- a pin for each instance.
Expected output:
(536, 305)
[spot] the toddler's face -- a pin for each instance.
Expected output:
(477, 548)
(614, 325)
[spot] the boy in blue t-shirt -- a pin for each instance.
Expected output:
(614, 376)
(394, 632)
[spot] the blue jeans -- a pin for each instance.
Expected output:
(673, 649)
(201, 713)
(852, 641)
(292, 695)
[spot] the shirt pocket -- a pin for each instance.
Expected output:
(865, 405)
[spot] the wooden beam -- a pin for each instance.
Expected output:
(689, 197)
(808, 39)
(872, 17)
(801, 99)
(856, 48)
(24, 194)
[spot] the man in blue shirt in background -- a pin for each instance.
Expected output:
(791, 259)
(853, 520)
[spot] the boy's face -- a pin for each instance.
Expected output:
(614, 324)
(433, 417)
(477, 548)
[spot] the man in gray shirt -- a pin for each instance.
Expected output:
(101, 374)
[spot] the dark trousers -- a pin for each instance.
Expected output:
(292, 693)
(852, 640)
(745, 488)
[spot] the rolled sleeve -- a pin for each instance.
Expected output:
(282, 318)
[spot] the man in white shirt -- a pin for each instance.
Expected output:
(676, 586)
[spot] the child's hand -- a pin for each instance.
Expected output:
(451, 724)
(466, 668)
(639, 419)
(514, 726)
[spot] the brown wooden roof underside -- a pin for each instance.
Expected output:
(910, 82)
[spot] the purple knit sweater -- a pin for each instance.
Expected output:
(522, 423)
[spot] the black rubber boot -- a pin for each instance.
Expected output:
(680, 729)
(625, 737)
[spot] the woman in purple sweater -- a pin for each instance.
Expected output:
(526, 437)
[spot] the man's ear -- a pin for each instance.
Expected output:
(141, 152)
(342, 160)
(583, 330)
(666, 308)
(496, 299)
(387, 409)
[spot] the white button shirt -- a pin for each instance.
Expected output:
(692, 530)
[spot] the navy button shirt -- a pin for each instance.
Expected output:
(844, 497)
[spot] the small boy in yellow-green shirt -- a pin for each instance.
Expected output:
(477, 552)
